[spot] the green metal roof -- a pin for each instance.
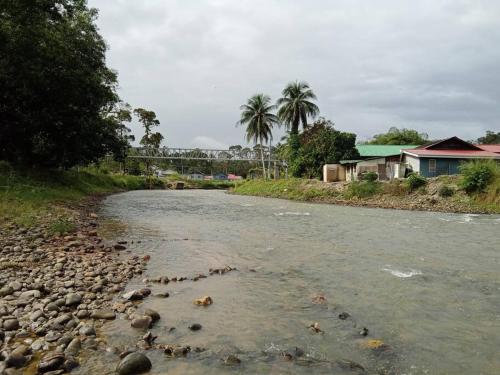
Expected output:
(381, 150)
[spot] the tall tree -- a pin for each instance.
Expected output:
(259, 119)
(150, 140)
(490, 138)
(397, 136)
(321, 144)
(296, 106)
(120, 115)
(54, 84)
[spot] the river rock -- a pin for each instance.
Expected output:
(204, 301)
(73, 347)
(87, 330)
(134, 363)
(70, 363)
(6, 291)
(142, 322)
(18, 357)
(133, 295)
(155, 316)
(51, 362)
(195, 327)
(11, 324)
(344, 315)
(73, 299)
(103, 314)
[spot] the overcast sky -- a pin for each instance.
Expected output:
(430, 65)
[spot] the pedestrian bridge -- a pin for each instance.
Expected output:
(201, 154)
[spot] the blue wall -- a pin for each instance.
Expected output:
(443, 166)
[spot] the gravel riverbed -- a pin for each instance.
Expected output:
(57, 291)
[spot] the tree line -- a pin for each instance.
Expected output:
(59, 105)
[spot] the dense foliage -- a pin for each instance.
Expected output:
(478, 174)
(415, 181)
(397, 136)
(321, 144)
(490, 138)
(57, 94)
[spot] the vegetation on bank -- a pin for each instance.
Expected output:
(444, 193)
(29, 196)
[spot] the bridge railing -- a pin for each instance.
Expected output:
(200, 154)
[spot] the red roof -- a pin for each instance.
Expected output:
(422, 152)
(490, 148)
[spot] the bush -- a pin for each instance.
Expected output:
(446, 191)
(369, 176)
(415, 181)
(62, 226)
(478, 174)
(362, 189)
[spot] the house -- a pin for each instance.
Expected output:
(444, 157)
(220, 176)
(164, 173)
(196, 176)
(382, 159)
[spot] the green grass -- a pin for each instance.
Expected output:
(362, 189)
(396, 193)
(29, 196)
(292, 188)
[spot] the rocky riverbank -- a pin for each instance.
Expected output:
(388, 194)
(56, 291)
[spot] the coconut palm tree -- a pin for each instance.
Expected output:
(296, 106)
(258, 117)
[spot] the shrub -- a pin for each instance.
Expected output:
(478, 174)
(362, 189)
(446, 191)
(415, 181)
(369, 176)
(62, 226)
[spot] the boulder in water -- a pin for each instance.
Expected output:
(134, 363)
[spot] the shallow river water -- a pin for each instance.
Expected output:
(426, 284)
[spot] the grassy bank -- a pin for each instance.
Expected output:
(437, 194)
(28, 196)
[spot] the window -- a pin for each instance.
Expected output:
(432, 166)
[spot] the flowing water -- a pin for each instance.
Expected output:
(426, 284)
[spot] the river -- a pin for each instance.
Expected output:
(426, 284)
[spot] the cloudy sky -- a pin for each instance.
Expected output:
(431, 65)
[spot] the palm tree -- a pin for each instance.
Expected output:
(296, 105)
(258, 117)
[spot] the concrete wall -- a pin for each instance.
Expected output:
(333, 172)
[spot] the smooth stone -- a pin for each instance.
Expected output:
(155, 316)
(195, 327)
(134, 363)
(87, 330)
(51, 362)
(103, 314)
(142, 322)
(74, 347)
(133, 295)
(73, 299)
(11, 324)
